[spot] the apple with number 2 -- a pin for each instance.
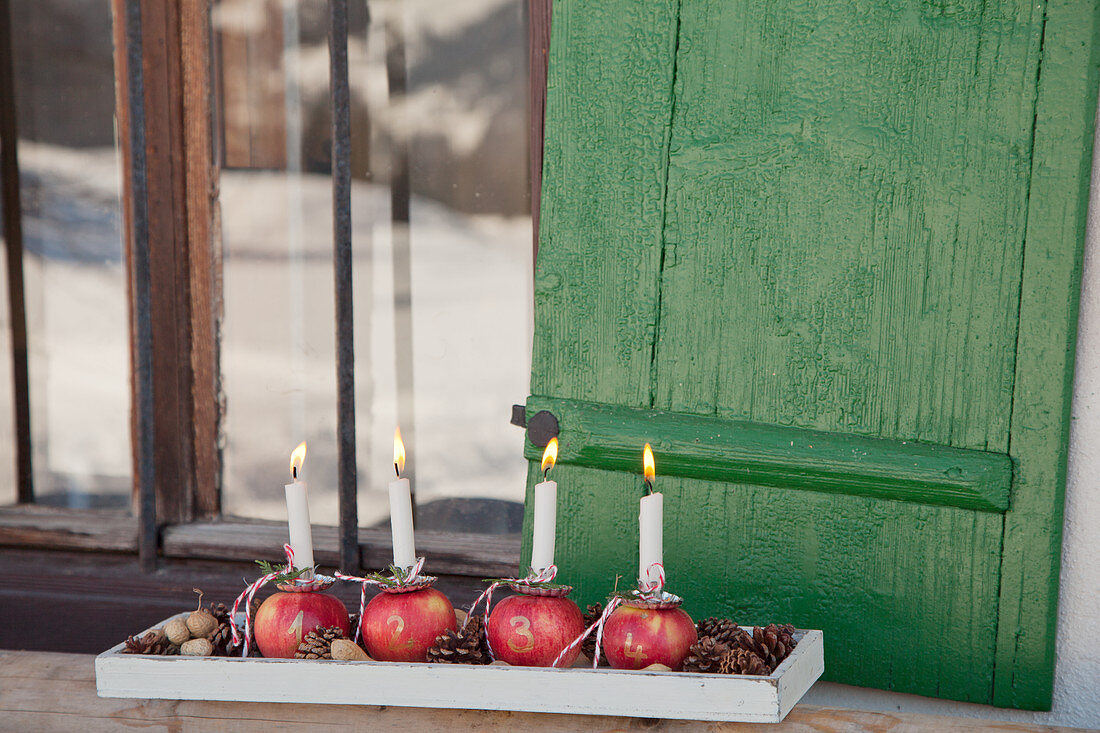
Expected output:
(399, 627)
(285, 618)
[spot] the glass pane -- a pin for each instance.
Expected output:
(75, 278)
(444, 302)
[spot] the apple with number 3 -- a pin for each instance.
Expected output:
(285, 618)
(634, 638)
(399, 627)
(531, 631)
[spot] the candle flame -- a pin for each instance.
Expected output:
(398, 452)
(297, 458)
(648, 466)
(550, 455)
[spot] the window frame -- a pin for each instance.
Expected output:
(170, 173)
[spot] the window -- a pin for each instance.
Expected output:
(441, 254)
(70, 255)
(237, 198)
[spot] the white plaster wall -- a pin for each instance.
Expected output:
(1077, 670)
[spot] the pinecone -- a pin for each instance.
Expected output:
(721, 630)
(588, 646)
(317, 644)
(705, 656)
(468, 645)
(222, 636)
(771, 643)
(149, 643)
(742, 661)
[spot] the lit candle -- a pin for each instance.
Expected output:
(650, 525)
(297, 513)
(401, 512)
(546, 512)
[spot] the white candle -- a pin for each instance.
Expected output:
(650, 537)
(401, 524)
(650, 525)
(546, 512)
(297, 512)
(401, 511)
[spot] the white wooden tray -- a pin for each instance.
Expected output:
(581, 690)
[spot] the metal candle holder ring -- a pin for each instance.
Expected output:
(662, 600)
(420, 582)
(545, 590)
(316, 585)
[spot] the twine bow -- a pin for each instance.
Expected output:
(248, 593)
(650, 585)
(414, 575)
(546, 575)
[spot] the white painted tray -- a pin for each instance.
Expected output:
(581, 690)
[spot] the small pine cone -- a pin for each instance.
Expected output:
(705, 656)
(722, 630)
(771, 643)
(149, 643)
(466, 646)
(317, 644)
(221, 639)
(742, 661)
(588, 646)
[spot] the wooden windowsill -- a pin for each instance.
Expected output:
(48, 691)
(451, 553)
(57, 528)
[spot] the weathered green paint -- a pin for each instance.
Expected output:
(705, 447)
(1065, 119)
(862, 219)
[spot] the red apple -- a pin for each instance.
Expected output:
(634, 638)
(531, 631)
(399, 627)
(284, 618)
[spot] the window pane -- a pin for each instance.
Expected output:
(75, 279)
(466, 251)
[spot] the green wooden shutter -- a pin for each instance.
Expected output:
(825, 258)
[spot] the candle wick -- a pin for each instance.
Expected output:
(648, 487)
(397, 470)
(294, 473)
(546, 474)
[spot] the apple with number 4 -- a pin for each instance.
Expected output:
(285, 618)
(634, 638)
(399, 627)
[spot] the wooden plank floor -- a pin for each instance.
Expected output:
(45, 691)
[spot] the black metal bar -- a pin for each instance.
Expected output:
(341, 242)
(13, 245)
(142, 295)
(397, 83)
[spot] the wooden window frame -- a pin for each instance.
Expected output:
(178, 392)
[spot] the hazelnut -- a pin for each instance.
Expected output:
(201, 623)
(197, 648)
(176, 631)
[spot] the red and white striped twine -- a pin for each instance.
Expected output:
(248, 593)
(598, 626)
(414, 575)
(546, 575)
(646, 587)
